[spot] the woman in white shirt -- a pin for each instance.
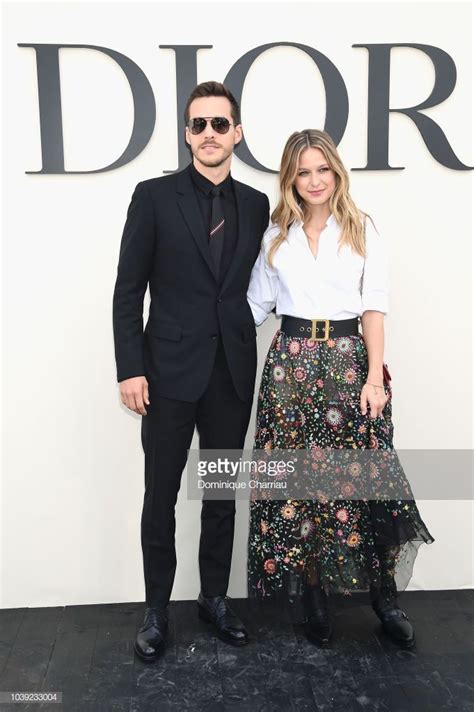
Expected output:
(325, 388)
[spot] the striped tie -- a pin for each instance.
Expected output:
(216, 234)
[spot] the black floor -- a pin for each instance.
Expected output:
(86, 653)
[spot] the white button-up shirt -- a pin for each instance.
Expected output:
(328, 286)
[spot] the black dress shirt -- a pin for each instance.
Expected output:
(203, 188)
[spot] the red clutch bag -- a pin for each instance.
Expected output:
(386, 374)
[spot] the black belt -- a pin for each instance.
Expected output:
(319, 329)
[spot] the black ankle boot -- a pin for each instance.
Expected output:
(318, 627)
(394, 620)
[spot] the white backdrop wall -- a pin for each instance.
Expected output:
(72, 476)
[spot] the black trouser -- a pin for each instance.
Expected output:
(222, 420)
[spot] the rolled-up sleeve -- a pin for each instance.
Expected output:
(375, 278)
(263, 288)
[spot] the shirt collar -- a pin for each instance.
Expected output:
(205, 185)
(330, 221)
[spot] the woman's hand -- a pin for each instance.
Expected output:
(375, 397)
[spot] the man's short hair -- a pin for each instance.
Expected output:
(213, 89)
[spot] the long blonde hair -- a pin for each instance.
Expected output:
(292, 208)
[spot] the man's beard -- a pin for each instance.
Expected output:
(212, 162)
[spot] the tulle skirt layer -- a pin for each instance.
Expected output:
(309, 398)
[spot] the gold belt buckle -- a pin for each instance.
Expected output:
(314, 329)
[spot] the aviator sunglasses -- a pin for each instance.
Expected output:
(219, 123)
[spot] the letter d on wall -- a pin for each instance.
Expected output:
(49, 93)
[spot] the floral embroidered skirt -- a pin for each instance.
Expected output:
(310, 398)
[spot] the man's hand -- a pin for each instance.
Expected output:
(134, 392)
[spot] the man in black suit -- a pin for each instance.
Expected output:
(193, 237)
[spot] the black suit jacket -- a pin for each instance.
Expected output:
(165, 245)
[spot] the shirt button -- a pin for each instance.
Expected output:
(219, 301)
(213, 336)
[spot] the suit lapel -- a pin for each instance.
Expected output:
(189, 207)
(242, 232)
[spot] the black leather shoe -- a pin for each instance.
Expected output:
(228, 627)
(317, 627)
(397, 626)
(150, 640)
